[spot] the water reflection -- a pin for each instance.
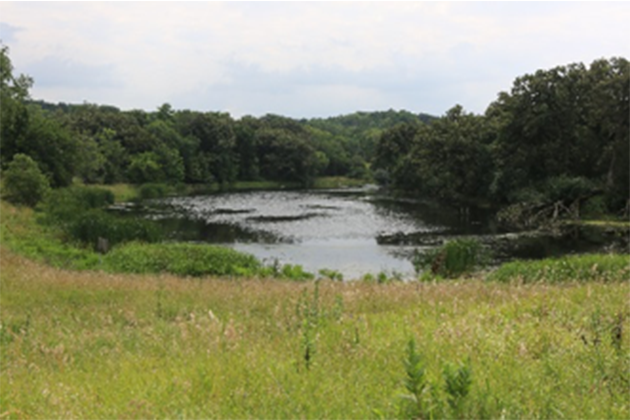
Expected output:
(351, 231)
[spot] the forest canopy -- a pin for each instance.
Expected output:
(557, 135)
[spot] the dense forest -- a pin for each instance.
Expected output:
(556, 142)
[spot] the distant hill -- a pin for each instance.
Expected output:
(362, 121)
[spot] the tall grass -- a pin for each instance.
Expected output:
(101, 345)
(584, 268)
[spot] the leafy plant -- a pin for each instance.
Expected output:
(457, 382)
(415, 381)
(453, 259)
(24, 182)
(423, 398)
(153, 190)
(91, 225)
(64, 205)
(312, 316)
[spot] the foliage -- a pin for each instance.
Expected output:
(454, 259)
(181, 259)
(576, 268)
(14, 117)
(63, 205)
(153, 190)
(423, 398)
(92, 225)
(23, 182)
(285, 271)
(415, 383)
(22, 234)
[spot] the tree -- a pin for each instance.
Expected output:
(394, 144)
(24, 182)
(285, 156)
(217, 144)
(52, 146)
(569, 121)
(14, 115)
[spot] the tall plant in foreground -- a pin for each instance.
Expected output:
(415, 383)
(423, 399)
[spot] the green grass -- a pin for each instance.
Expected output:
(123, 192)
(99, 345)
(580, 268)
(180, 259)
(544, 339)
(20, 232)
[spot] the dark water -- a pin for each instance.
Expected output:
(353, 231)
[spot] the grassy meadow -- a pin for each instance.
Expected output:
(544, 340)
(97, 345)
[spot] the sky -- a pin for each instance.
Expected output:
(301, 59)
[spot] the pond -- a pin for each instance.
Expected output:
(353, 231)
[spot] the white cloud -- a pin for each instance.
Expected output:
(300, 58)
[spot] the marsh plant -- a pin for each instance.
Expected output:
(453, 259)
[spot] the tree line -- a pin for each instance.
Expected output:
(558, 135)
(556, 140)
(102, 144)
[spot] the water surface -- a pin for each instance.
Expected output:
(352, 231)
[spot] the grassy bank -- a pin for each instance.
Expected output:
(98, 345)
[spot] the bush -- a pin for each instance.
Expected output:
(91, 225)
(64, 205)
(455, 258)
(181, 259)
(153, 190)
(24, 182)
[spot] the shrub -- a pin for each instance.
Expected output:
(91, 225)
(453, 259)
(153, 190)
(24, 182)
(181, 259)
(64, 205)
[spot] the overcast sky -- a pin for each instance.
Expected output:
(301, 59)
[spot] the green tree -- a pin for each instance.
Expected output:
(217, 145)
(144, 167)
(285, 156)
(52, 146)
(24, 182)
(14, 115)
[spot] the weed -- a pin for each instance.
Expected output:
(457, 382)
(415, 382)
(423, 399)
(312, 317)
